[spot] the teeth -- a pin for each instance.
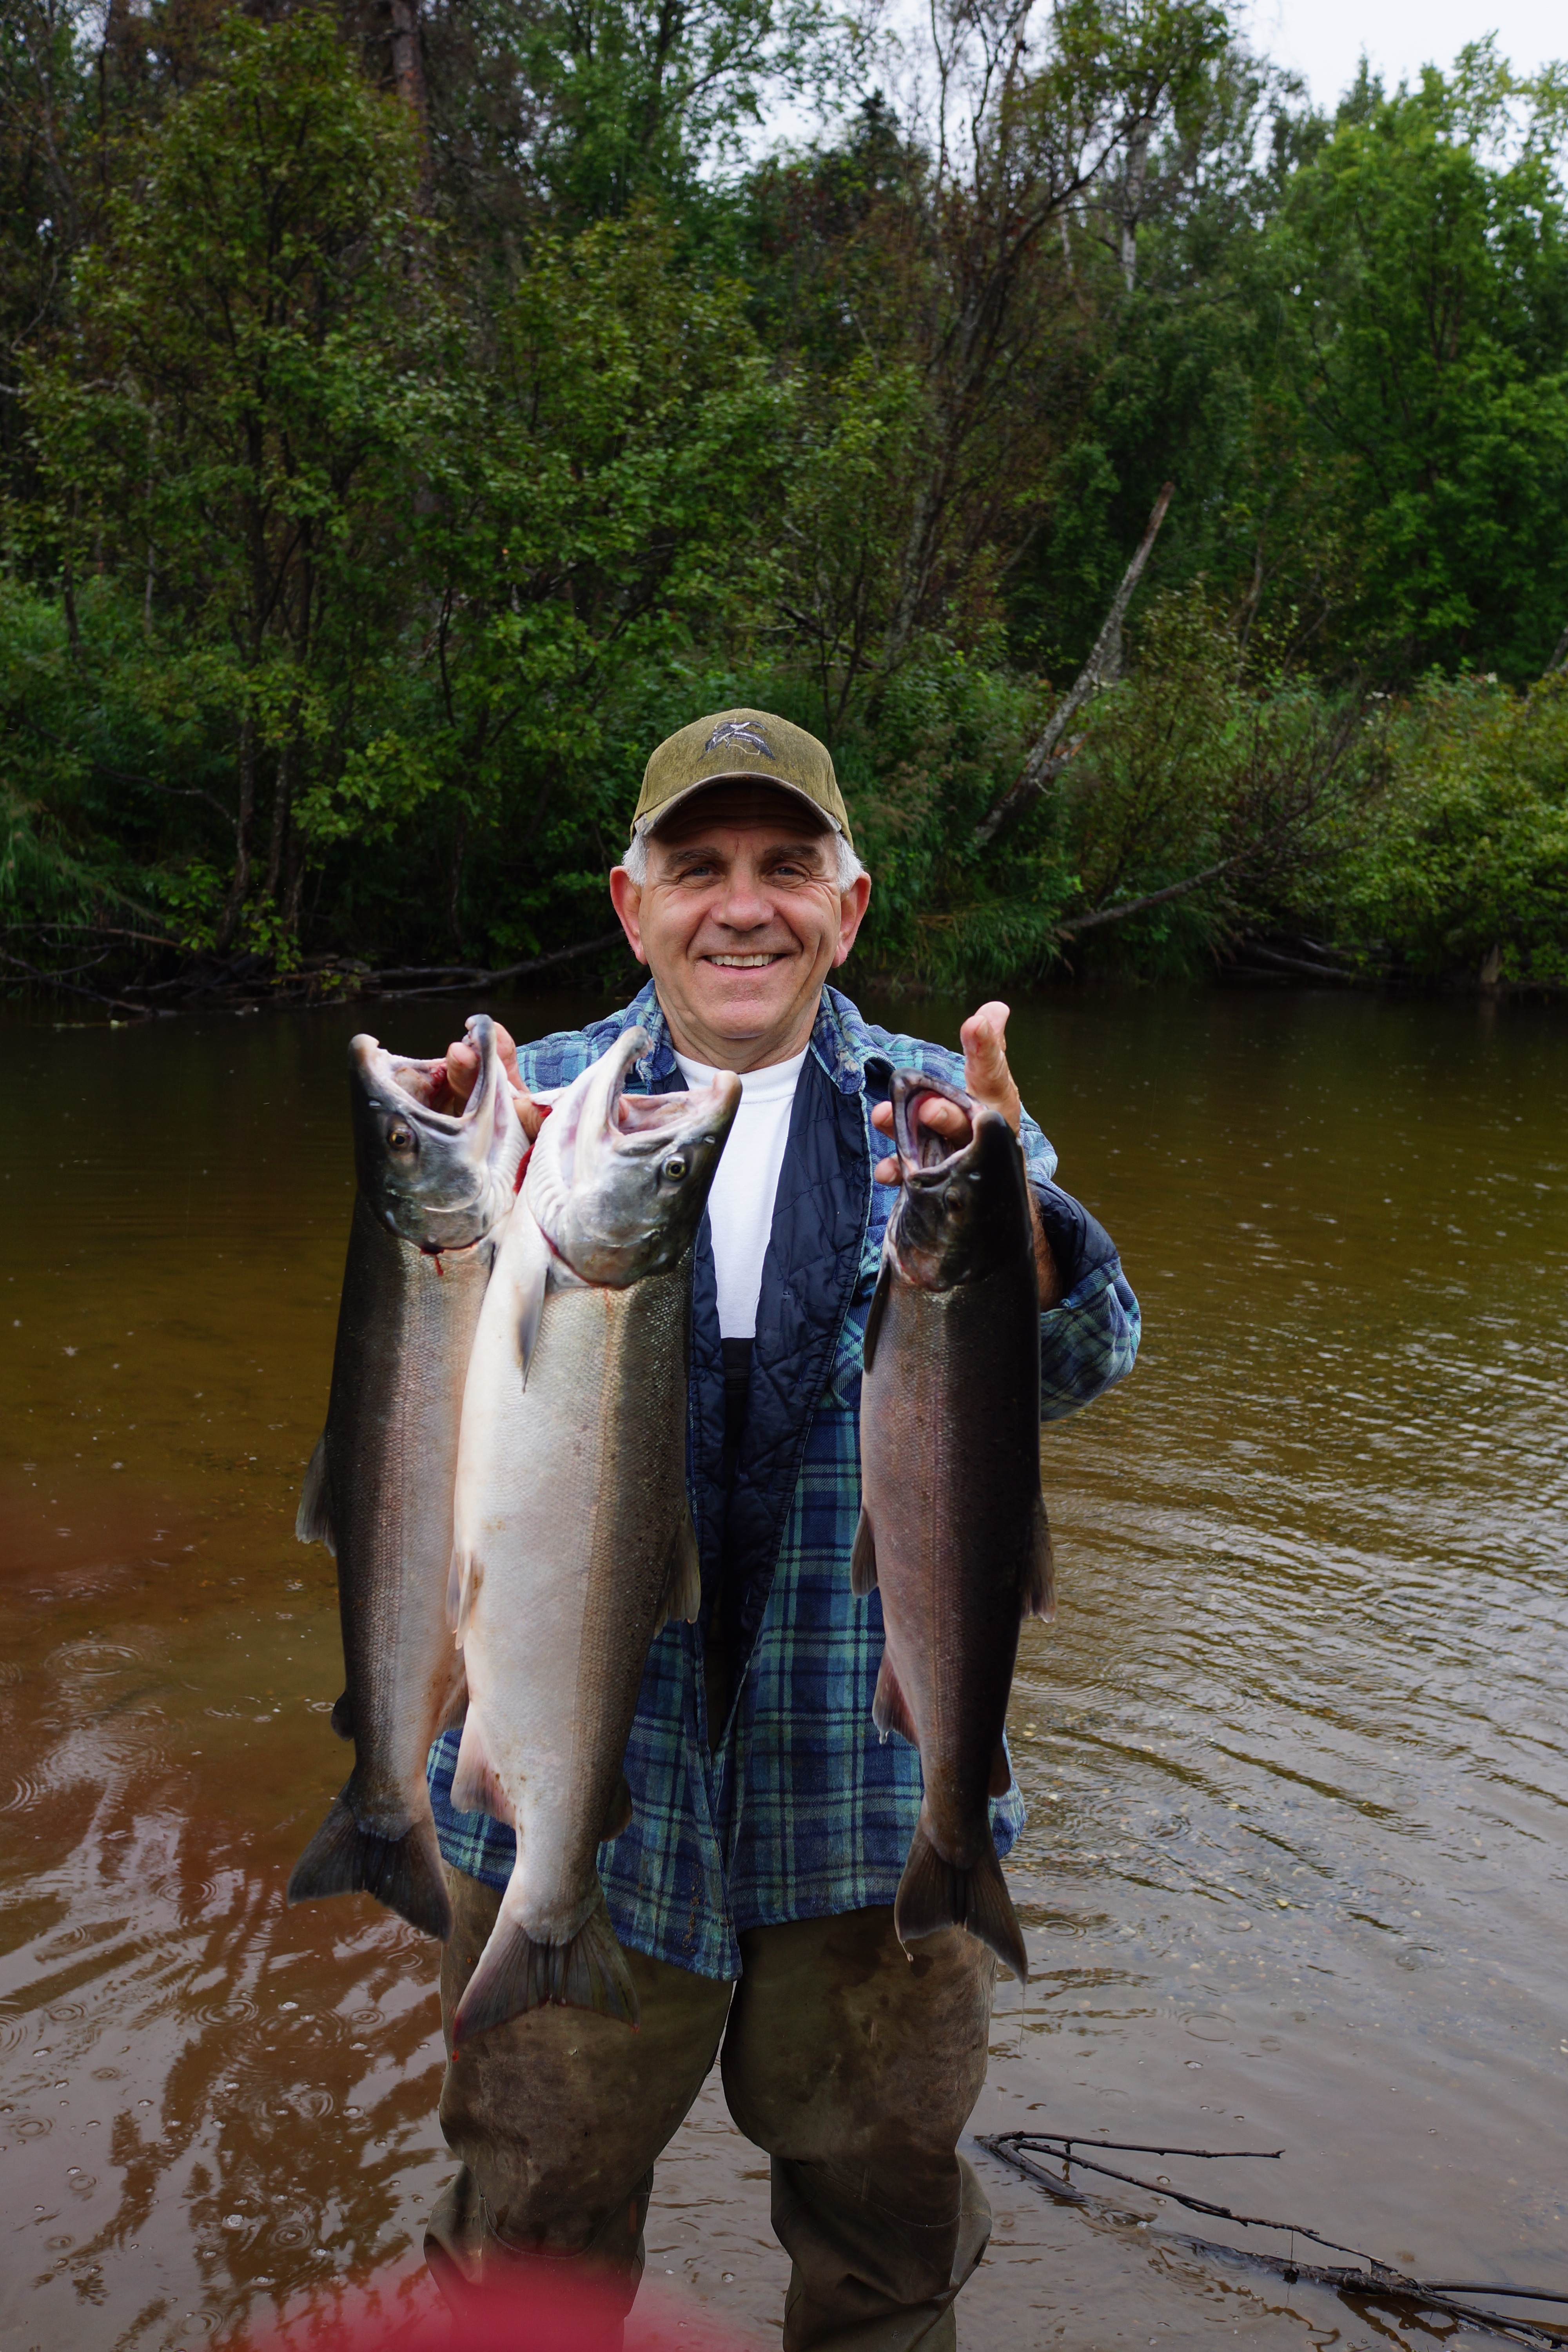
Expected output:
(742, 963)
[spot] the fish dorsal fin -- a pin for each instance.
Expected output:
(878, 1309)
(889, 1707)
(619, 1816)
(683, 1591)
(863, 1559)
(475, 1786)
(1040, 1580)
(342, 1717)
(314, 1520)
(464, 1578)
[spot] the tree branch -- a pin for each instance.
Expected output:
(478, 977)
(1040, 766)
(1104, 915)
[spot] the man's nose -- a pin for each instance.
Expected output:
(742, 905)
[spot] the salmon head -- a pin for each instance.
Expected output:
(618, 1183)
(441, 1179)
(959, 1213)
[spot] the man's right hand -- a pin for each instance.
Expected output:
(461, 1071)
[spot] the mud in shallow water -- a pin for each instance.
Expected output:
(1295, 1872)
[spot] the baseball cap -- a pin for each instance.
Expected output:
(730, 744)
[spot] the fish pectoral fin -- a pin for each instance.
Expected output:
(314, 1520)
(532, 1280)
(1040, 1578)
(619, 1816)
(475, 1786)
(1001, 1778)
(878, 1309)
(863, 1559)
(515, 1974)
(683, 1587)
(934, 1893)
(889, 1707)
(464, 1578)
(342, 1717)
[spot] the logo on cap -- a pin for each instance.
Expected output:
(740, 730)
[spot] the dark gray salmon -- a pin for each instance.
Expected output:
(435, 1194)
(573, 1534)
(953, 1530)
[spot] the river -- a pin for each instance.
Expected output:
(1294, 1748)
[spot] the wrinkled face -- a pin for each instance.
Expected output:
(962, 1215)
(619, 1183)
(438, 1180)
(741, 919)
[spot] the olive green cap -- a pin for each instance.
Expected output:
(730, 744)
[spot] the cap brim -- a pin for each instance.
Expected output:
(656, 817)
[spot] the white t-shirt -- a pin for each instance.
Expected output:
(741, 1205)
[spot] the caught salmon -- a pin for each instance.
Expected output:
(434, 1192)
(573, 1539)
(952, 1529)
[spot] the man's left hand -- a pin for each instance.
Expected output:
(988, 1080)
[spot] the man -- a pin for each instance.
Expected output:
(753, 1891)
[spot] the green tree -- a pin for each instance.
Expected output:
(1419, 268)
(255, 349)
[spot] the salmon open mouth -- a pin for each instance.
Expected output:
(925, 1154)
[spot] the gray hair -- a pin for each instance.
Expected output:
(849, 866)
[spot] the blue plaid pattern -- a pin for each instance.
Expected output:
(802, 1811)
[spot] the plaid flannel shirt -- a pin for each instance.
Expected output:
(801, 1811)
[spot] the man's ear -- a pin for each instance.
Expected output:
(626, 898)
(852, 906)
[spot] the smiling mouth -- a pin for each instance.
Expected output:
(745, 963)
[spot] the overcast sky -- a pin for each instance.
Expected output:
(1323, 39)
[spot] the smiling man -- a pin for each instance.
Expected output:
(753, 1890)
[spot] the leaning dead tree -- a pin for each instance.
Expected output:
(1103, 667)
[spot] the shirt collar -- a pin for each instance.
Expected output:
(840, 1039)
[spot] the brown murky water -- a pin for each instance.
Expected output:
(1294, 1874)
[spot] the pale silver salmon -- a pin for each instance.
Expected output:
(436, 1192)
(953, 1530)
(573, 1536)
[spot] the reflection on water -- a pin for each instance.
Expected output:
(1294, 1874)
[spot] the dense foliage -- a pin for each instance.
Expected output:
(399, 435)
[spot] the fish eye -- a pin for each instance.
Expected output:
(674, 1167)
(399, 1137)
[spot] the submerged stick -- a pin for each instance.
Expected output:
(1377, 2282)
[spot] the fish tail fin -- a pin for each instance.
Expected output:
(404, 1873)
(515, 1974)
(934, 1893)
